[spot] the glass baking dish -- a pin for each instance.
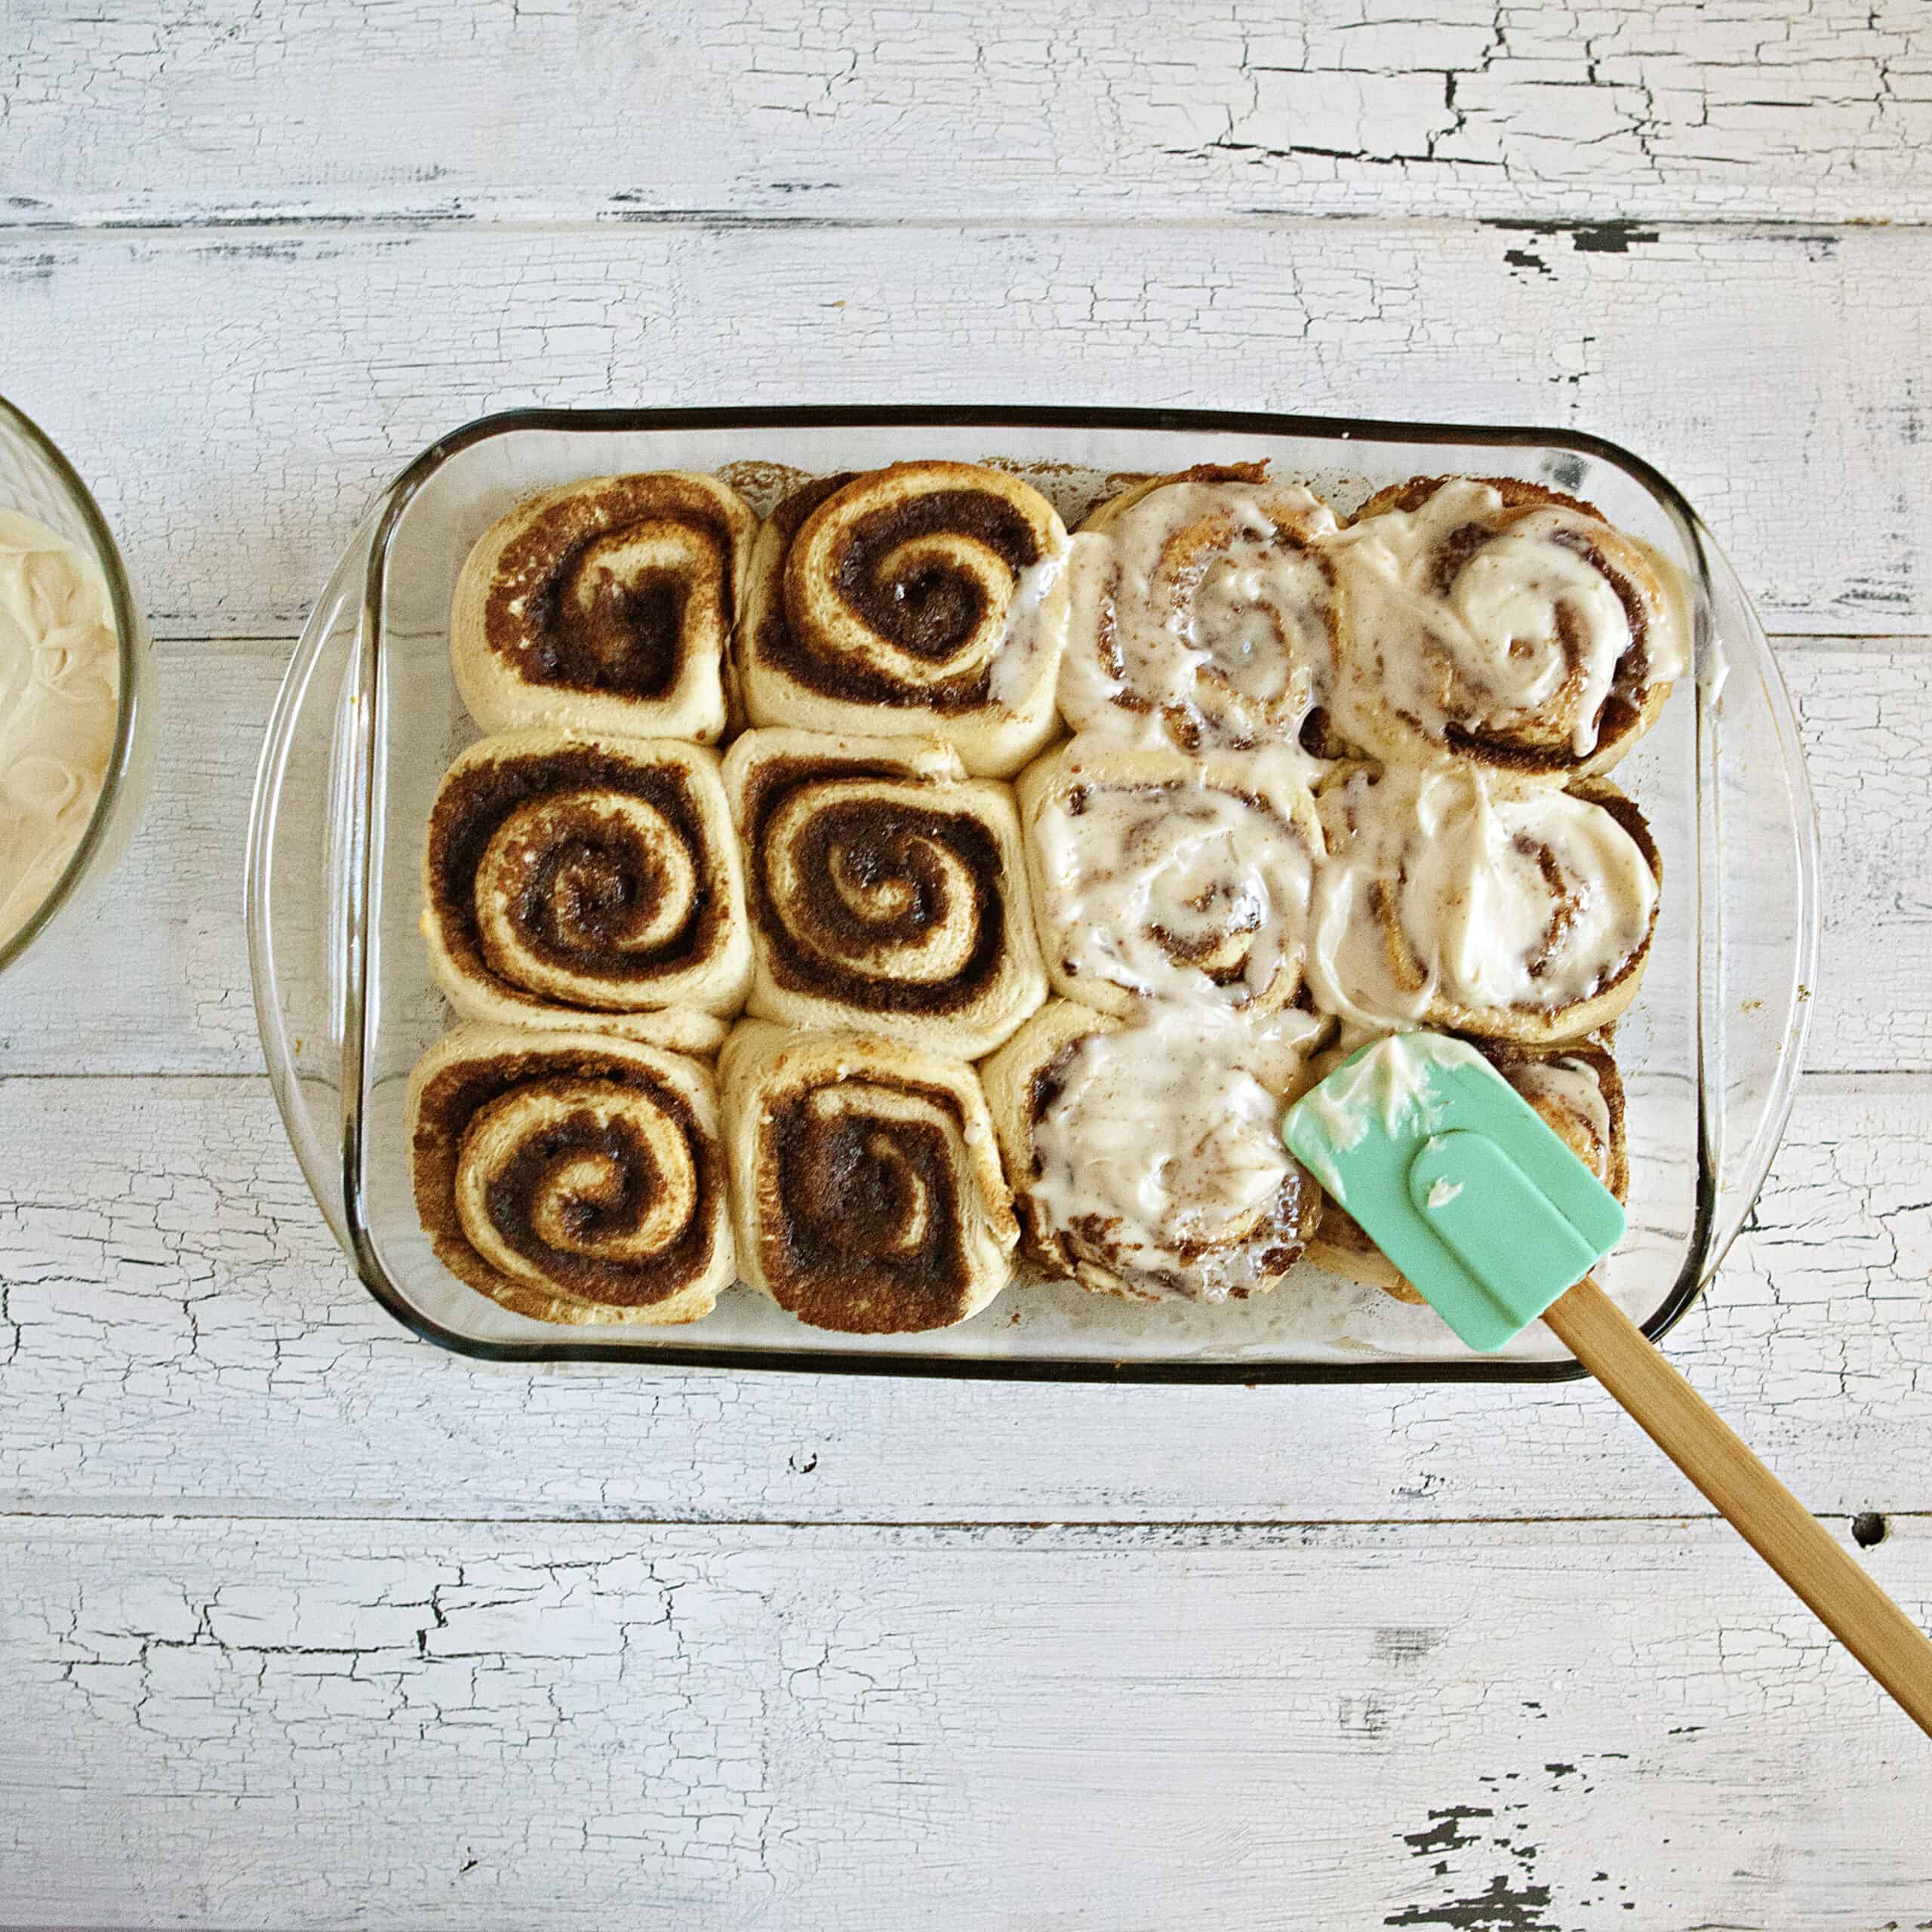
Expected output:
(368, 718)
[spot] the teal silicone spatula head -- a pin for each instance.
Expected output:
(1456, 1179)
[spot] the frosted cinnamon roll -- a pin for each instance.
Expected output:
(1450, 899)
(1146, 1161)
(925, 599)
(571, 881)
(886, 890)
(1158, 875)
(867, 1190)
(570, 1176)
(1499, 621)
(1577, 1092)
(1202, 608)
(605, 606)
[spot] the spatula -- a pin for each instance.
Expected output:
(1456, 1178)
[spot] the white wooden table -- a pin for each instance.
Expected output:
(303, 1623)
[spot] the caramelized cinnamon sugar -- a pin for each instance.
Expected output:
(619, 634)
(929, 612)
(867, 1234)
(456, 1095)
(868, 842)
(605, 884)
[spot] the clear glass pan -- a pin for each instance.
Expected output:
(368, 718)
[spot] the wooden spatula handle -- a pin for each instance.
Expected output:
(1765, 1514)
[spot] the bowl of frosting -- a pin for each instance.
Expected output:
(73, 659)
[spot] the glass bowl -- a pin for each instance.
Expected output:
(36, 480)
(369, 718)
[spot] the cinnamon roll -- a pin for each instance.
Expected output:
(1202, 607)
(1157, 875)
(571, 881)
(1146, 1161)
(886, 890)
(605, 606)
(1452, 899)
(1499, 621)
(571, 1177)
(867, 1190)
(929, 599)
(1577, 1092)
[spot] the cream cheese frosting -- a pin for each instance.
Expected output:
(1202, 605)
(1496, 898)
(59, 682)
(1462, 612)
(1166, 1134)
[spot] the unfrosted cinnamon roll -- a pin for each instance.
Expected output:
(1451, 898)
(1577, 1092)
(866, 1188)
(1202, 607)
(605, 606)
(571, 1177)
(569, 881)
(1146, 1161)
(1502, 623)
(925, 599)
(1158, 875)
(886, 890)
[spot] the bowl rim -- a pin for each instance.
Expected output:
(128, 628)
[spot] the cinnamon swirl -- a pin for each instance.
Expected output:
(886, 890)
(928, 599)
(572, 881)
(1577, 1092)
(1156, 875)
(1452, 899)
(1499, 621)
(867, 1190)
(1146, 1161)
(605, 606)
(1202, 605)
(571, 1177)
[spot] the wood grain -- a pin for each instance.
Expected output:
(307, 1724)
(178, 1332)
(1770, 372)
(136, 111)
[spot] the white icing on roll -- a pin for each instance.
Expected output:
(1495, 899)
(59, 685)
(1567, 1084)
(1190, 605)
(1165, 1136)
(1190, 887)
(1529, 621)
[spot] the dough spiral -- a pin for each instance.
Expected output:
(1156, 875)
(1146, 1161)
(606, 606)
(1203, 608)
(568, 880)
(1452, 898)
(1501, 622)
(885, 889)
(571, 1177)
(868, 1194)
(928, 599)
